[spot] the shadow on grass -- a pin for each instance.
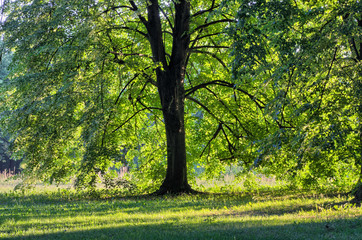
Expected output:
(46, 207)
(213, 224)
(338, 229)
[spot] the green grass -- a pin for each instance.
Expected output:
(50, 213)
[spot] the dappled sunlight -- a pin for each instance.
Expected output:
(182, 217)
(257, 227)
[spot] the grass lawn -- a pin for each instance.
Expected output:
(63, 214)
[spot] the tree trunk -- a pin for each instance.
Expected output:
(172, 98)
(360, 149)
(357, 191)
(170, 82)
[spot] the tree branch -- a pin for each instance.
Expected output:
(204, 107)
(135, 9)
(211, 23)
(227, 108)
(230, 146)
(257, 101)
(149, 108)
(209, 46)
(125, 87)
(129, 119)
(154, 30)
(117, 7)
(167, 18)
(214, 56)
(213, 137)
(128, 28)
(354, 47)
(327, 77)
(204, 36)
(221, 123)
(212, 7)
(129, 54)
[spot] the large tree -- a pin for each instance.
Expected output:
(90, 78)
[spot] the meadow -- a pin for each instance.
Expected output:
(49, 212)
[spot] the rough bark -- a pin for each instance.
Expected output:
(170, 82)
(172, 97)
(357, 191)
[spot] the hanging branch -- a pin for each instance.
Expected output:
(231, 148)
(214, 56)
(205, 36)
(212, 7)
(125, 87)
(213, 137)
(117, 7)
(204, 107)
(226, 107)
(167, 19)
(221, 123)
(135, 9)
(129, 54)
(209, 46)
(206, 25)
(285, 95)
(327, 77)
(128, 28)
(129, 119)
(257, 101)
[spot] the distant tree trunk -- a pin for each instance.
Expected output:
(6, 163)
(10, 166)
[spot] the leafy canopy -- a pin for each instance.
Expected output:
(305, 56)
(83, 95)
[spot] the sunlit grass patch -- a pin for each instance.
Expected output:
(63, 214)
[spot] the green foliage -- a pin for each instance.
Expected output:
(71, 88)
(304, 58)
(83, 97)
